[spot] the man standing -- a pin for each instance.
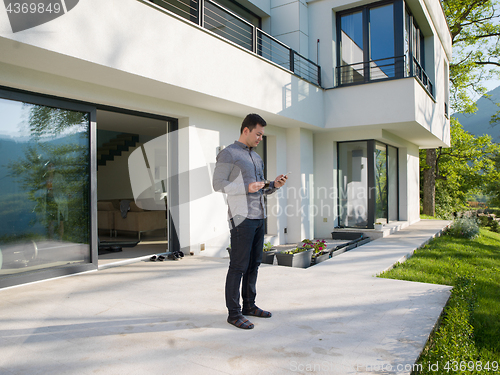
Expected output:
(239, 173)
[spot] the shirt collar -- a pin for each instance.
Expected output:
(242, 145)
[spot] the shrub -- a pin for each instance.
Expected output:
(483, 220)
(465, 227)
(494, 226)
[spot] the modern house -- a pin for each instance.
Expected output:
(129, 102)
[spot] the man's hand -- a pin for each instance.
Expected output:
(280, 181)
(254, 187)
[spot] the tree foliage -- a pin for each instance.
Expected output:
(463, 169)
(53, 173)
(475, 32)
(493, 185)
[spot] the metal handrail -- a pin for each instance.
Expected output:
(422, 76)
(253, 42)
(365, 67)
(241, 38)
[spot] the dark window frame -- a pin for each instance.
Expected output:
(398, 22)
(54, 102)
(371, 200)
(15, 94)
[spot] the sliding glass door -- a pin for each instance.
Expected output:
(353, 183)
(368, 183)
(45, 184)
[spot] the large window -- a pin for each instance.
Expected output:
(367, 38)
(353, 184)
(379, 41)
(368, 183)
(45, 184)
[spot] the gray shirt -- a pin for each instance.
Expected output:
(237, 167)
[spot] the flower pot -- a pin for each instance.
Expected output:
(363, 241)
(321, 258)
(268, 256)
(379, 227)
(300, 260)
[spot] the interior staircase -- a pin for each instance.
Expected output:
(121, 143)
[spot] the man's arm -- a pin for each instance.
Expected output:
(227, 177)
(276, 184)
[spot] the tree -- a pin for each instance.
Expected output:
(463, 169)
(493, 186)
(475, 33)
(53, 173)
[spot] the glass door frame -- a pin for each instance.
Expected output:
(371, 180)
(173, 167)
(56, 102)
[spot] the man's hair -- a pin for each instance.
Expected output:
(251, 122)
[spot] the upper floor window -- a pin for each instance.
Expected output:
(367, 39)
(414, 42)
(379, 41)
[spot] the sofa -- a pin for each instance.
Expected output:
(109, 217)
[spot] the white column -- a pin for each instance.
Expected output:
(289, 24)
(300, 223)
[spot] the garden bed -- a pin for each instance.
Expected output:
(339, 244)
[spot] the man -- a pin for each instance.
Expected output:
(239, 173)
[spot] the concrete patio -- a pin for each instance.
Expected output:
(170, 318)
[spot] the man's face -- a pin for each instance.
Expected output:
(254, 137)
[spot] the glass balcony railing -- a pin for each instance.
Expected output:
(376, 70)
(232, 27)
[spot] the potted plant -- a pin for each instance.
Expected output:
(268, 253)
(319, 248)
(297, 257)
(378, 225)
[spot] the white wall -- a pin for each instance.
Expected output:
(325, 185)
(413, 185)
(290, 24)
(300, 184)
(401, 106)
(143, 53)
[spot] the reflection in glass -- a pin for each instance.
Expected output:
(353, 184)
(392, 165)
(44, 179)
(408, 25)
(382, 42)
(380, 183)
(352, 47)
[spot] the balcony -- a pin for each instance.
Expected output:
(377, 70)
(221, 21)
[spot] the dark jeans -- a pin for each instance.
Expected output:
(247, 241)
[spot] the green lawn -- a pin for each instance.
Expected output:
(469, 331)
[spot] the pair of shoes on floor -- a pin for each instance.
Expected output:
(258, 312)
(159, 258)
(176, 255)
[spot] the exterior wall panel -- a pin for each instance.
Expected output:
(174, 59)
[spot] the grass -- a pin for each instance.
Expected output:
(423, 216)
(469, 328)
